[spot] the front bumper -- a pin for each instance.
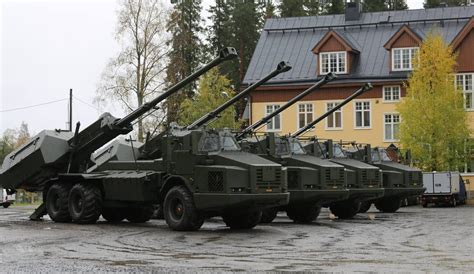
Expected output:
(318, 196)
(225, 201)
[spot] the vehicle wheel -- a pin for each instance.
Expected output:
(139, 215)
(365, 206)
(179, 210)
(242, 220)
(345, 210)
(388, 205)
(57, 203)
(158, 212)
(113, 214)
(85, 203)
(424, 204)
(6, 205)
(454, 203)
(303, 214)
(268, 215)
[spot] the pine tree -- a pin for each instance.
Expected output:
(333, 7)
(219, 29)
(433, 120)
(312, 8)
(397, 5)
(270, 10)
(451, 3)
(186, 51)
(374, 5)
(214, 90)
(291, 8)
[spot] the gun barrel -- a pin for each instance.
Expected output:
(358, 92)
(225, 54)
(327, 78)
(282, 67)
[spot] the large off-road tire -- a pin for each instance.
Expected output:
(139, 215)
(454, 202)
(6, 205)
(388, 205)
(345, 210)
(113, 214)
(158, 212)
(268, 215)
(303, 214)
(56, 201)
(179, 210)
(242, 220)
(365, 206)
(85, 203)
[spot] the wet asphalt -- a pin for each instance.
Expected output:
(414, 239)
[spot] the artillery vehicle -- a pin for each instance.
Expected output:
(364, 181)
(399, 181)
(56, 163)
(204, 171)
(312, 181)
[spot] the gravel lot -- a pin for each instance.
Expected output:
(414, 239)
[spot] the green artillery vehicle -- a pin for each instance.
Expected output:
(364, 181)
(204, 173)
(56, 162)
(312, 181)
(399, 181)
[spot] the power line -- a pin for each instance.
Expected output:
(32, 106)
(85, 103)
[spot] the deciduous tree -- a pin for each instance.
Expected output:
(450, 3)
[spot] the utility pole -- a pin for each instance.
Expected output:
(70, 109)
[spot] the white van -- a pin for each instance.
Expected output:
(5, 199)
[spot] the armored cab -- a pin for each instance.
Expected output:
(399, 181)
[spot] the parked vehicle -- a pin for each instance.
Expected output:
(6, 199)
(443, 188)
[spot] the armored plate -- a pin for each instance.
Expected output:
(118, 150)
(313, 160)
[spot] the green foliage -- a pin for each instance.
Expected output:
(291, 8)
(384, 5)
(334, 7)
(451, 3)
(434, 122)
(12, 139)
(270, 10)
(214, 90)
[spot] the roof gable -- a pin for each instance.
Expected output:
(339, 38)
(463, 34)
(404, 30)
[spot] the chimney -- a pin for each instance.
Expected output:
(353, 9)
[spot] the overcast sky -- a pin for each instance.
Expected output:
(49, 46)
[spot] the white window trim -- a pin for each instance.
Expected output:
(342, 117)
(385, 140)
(401, 58)
(354, 112)
(464, 91)
(298, 115)
(391, 101)
(330, 52)
(281, 120)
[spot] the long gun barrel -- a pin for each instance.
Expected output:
(327, 78)
(282, 67)
(358, 92)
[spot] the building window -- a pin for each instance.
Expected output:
(275, 123)
(305, 114)
(391, 127)
(464, 83)
(391, 94)
(402, 58)
(334, 121)
(362, 114)
(332, 62)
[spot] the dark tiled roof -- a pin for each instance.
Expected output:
(291, 39)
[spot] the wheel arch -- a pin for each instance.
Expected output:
(172, 181)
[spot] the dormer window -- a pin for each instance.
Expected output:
(335, 62)
(402, 58)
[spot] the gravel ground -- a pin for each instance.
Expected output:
(414, 239)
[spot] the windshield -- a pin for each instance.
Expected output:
(338, 152)
(213, 142)
(282, 147)
(380, 155)
(296, 147)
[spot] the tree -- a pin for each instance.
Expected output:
(270, 10)
(333, 7)
(434, 122)
(438, 3)
(313, 8)
(12, 139)
(137, 72)
(291, 8)
(374, 5)
(214, 90)
(397, 5)
(186, 51)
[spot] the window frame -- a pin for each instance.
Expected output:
(401, 58)
(392, 126)
(342, 117)
(463, 90)
(355, 114)
(306, 113)
(328, 53)
(273, 119)
(384, 100)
